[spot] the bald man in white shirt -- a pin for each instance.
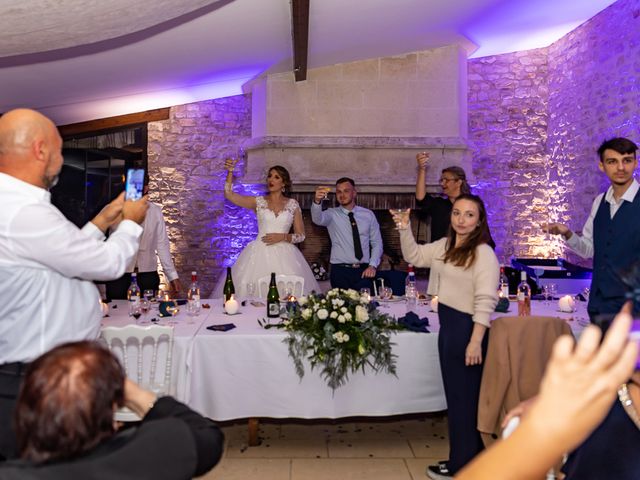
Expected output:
(47, 264)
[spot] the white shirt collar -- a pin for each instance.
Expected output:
(629, 195)
(24, 187)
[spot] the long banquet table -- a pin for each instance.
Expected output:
(246, 372)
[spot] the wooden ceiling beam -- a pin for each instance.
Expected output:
(300, 33)
(113, 122)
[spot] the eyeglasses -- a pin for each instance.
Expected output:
(447, 180)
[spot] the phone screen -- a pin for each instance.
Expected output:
(635, 335)
(134, 184)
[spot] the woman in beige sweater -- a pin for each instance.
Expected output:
(467, 273)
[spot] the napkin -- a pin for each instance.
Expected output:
(412, 322)
(221, 327)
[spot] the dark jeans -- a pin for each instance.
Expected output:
(349, 277)
(461, 385)
(11, 375)
(117, 289)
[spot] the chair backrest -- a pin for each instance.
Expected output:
(295, 282)
(143, 369)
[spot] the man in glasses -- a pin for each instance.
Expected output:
(453, 181)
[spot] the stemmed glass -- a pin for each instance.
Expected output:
(400, 217)
(251, 291)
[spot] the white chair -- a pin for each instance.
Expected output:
(142, 369)
(296, 281)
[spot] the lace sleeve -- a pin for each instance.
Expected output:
(297, 237)
(291, 206)
(261, 203)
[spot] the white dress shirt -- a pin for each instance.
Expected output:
(154, 240)
(583, 244)
(47, 265)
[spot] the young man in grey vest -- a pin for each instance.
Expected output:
(611, 234)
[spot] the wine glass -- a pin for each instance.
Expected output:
(400, 217)
(251, 291)
(145, 305)
(288, 290)
(149, 295)
(366, 293)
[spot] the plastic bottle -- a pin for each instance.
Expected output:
(193, 297)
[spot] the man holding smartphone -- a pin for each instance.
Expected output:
(47, 264)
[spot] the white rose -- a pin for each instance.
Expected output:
(343, 309)
(345, 337)
(340, 302)
(333, 314)
(341, 319)
(323, 314)
(307, 313)
(353, 295)
(348, 316)
(361, 314)
(302, 301)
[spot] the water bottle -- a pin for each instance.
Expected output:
(133, 295)
(410, 290)
(193, 297)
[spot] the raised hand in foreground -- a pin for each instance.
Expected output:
(576, 393)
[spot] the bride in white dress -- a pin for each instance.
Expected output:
(274, 248)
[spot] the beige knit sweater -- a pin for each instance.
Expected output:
(473, 290)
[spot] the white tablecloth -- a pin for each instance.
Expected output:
(247, 372)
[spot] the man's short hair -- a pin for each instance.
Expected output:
(346, 179)
(65, 405)
(619, 144)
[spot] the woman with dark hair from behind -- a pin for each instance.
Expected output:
(467, 272)
(65, 426)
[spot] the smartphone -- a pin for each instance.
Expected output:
(134, 184)
(634, 334)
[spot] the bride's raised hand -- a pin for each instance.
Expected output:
(230, 164)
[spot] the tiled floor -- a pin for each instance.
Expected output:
(373, 449)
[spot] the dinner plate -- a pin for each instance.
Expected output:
(391, 300)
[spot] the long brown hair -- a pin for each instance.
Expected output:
(465, 254)
(286, 178)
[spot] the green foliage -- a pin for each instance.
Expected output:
(340, 332)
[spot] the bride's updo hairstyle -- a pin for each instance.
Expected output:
(286, 178)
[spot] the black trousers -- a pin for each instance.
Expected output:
(117, 289)
(461, 385)
(349, 277)
(11, 375)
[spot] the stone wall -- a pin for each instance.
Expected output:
(536, 119)
(186, 158)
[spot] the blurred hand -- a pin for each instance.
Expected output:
(273, 238)
(230, 164)
(135, 210)
(581, 383)
(422, 159)
(370, 272)
(137, 399)
(321, 193)
(473, 354)
(175, 287)
(110, 214)
(556, 229)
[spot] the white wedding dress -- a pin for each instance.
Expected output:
(259, 259)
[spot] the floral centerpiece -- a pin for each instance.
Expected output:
(339, 332)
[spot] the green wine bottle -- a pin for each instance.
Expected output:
(273, 298)
(228, 287)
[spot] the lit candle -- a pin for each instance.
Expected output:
(105, 308)
(434, 303)
(231, 306)
(566, 304)
(166, 297)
